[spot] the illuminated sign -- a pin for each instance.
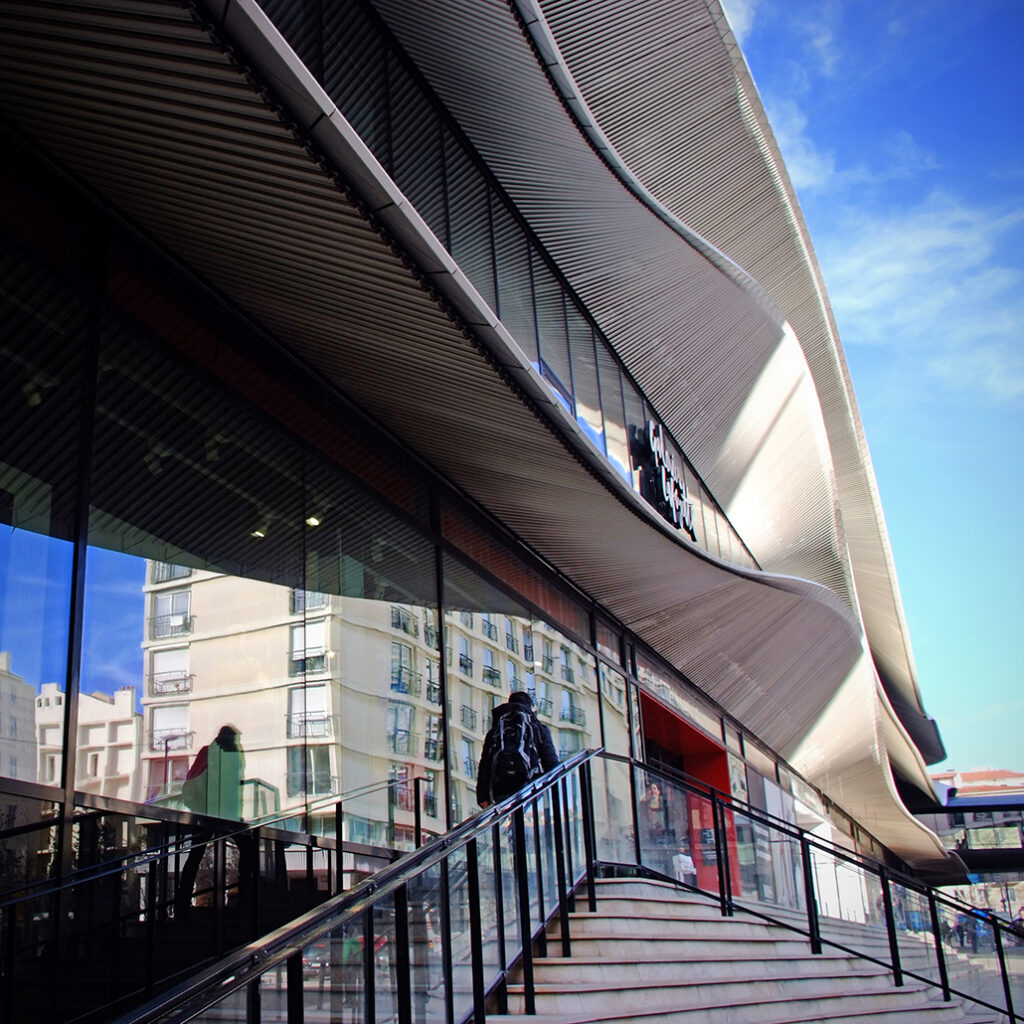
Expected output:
(670, 496)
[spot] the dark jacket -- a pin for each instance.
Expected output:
(544, 746)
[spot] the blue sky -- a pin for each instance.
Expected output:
(902, 128)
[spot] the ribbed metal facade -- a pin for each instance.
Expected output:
(216, 141)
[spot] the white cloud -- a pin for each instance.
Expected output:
(740, 14)
(808, 166)
(930, 279)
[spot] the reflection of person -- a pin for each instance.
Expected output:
(541, 748)
(683, 868)
(213, 786)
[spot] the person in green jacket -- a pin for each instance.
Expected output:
(213, 786)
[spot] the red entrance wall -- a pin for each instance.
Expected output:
(706, 761)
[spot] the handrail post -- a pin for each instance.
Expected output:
(417, 793)
(369, 974)
(339, 820)
(403, 966)
(499, 906)
(890, 927)
(570, 868)
(940, 953)
(476, 940)
(525, 927)
(563, 905)
(813, 923)
(1007, 992)
(721, 858)
(638, 850)
(446, 936)
(542, 939)
(587, 794)
(293, 979)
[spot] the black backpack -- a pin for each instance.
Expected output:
(515, 759)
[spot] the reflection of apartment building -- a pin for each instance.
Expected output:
(17, 723)
(296, 658)
(109, 734)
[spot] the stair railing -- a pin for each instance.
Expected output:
(748, 860)
(437, 933)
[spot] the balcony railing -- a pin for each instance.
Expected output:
(312, 783)
(568, 675)
(528, 650)
(306, 600)
(433, 750)
(469, 767)
(575, 715)
(177, 624)
(405, 621)
(434, 693)
(511, 643)
(465, 664)
(430, 635)
(490, 630)
(402, 742)
(404, 680)
(430, 805)
(469, 718)
(169, 682)
(545, 707)
(310, 664)
(492, 675)
(547, 664)
(171, 739)
(161, 572)
(315, 724)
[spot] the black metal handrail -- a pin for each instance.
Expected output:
(245, 967)
(573, 841)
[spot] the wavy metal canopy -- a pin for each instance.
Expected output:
(177, 124)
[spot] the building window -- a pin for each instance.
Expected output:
(402, 790)
(468, 758)
(566, 659)
(309, 770)
(548, 659)
(528, 644)
(403, 679)
(465, 657)
(161, 572)
(491, 674)
(399, 728)
(307, 712)
(511, 642)
(171, 614)
(94, 765)
(403, 619)
(466, 618)
(309, 648)
(170, 729)
(170, 672)
(490, 630)
(433, 747)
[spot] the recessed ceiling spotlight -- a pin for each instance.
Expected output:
(312, 520)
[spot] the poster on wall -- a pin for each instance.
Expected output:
(738, 778)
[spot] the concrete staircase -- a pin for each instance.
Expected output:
(655, 953)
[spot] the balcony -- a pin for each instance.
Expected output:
(402, 742)
(430, 805)
(547, 664)
(404, 680)
(315, 724)
(161, 572)
(465, 664)
(177, 624)
(528, 650)
(469, 767)
(430, 635)
(405, 621)
(511, 643)
(171, 739)
(469, 717)
(307, 663)
(567, 674)
(312, 783)
(161, 683)
(545, 707)
(492, 675)
(575, 715)
(490, 630)
(433, 750)
(434, 693)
